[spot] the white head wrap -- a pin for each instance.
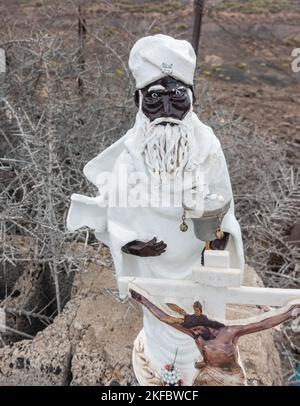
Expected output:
(157, 56)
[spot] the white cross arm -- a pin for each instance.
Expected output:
(261, 296)
(227, 295)
(159, 287)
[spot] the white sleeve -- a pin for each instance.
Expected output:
(86, 212)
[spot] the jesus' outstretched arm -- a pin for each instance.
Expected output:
(175, 322)
(266, 321)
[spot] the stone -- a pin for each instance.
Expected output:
(29, 287)
(103, 353)
(11, 272)
(45, 360)
(214, 60)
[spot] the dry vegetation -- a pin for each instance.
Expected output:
(66, 96)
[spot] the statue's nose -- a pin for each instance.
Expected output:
(167, 106)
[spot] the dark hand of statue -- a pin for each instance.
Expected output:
(220, 244)
(150, 248)
(217, 245)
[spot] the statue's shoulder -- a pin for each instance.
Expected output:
(105, 161)
(209, 147)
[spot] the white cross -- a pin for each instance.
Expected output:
(215, 285)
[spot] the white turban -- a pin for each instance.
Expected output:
(157, 56)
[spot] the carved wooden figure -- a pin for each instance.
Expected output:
(217, 342)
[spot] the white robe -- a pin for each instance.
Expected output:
(116, 226)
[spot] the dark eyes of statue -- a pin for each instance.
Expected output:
(179, 92)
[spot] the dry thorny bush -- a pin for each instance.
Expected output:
(66, 98)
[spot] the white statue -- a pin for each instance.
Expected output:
(167, 143)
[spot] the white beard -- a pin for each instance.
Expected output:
(168, 150)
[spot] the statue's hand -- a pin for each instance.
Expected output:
(220, 244)
(150, 248)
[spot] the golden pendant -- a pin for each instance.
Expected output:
(183, 227)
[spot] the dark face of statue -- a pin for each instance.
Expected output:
(166, 97)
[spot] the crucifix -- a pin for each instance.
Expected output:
(211, 288)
